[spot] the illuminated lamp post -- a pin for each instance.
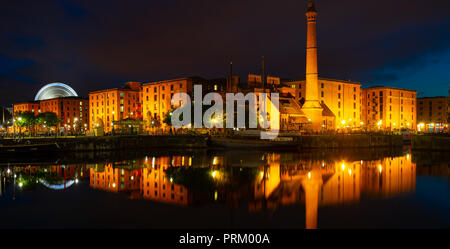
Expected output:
(65, 130)
(75, 126)
(379, 124)
(343, 124)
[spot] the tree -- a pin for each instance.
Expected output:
(48, 119)
(25, 119)
(155, 122)
(168, 117)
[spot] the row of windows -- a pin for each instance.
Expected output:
(430, 107)
(163, 97)
(172, 87)
(431, 114)
(390, 101)
(172, 196)
(390, 94)
(121, 95)
(354, 114)
(113, 103)
(431, 102)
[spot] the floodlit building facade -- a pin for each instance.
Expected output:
(107, 106)
(389, 108)
(343, 98)
(62, 100)
(29, 106)
(157, 96)
(433, 114)
(73, 112)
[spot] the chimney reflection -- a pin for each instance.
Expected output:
(319, 183)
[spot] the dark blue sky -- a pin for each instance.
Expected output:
(93, 45)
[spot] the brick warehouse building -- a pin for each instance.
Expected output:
(433, 113)
(107, 106)
(62, 100)
(389, 108)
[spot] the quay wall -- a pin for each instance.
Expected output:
(349, 141)
(185, 142)
(430, 142)
(108, 143)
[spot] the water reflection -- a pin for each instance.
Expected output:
(266, 181)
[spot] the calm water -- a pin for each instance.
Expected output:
(214, 189)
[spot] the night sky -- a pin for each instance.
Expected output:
(93, 45)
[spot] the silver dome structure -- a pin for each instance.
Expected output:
(55, 90)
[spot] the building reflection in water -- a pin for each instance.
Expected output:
(267, 182)
(277, 182)
(156, 185)
(320, 183)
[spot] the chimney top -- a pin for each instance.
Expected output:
(311, 6)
